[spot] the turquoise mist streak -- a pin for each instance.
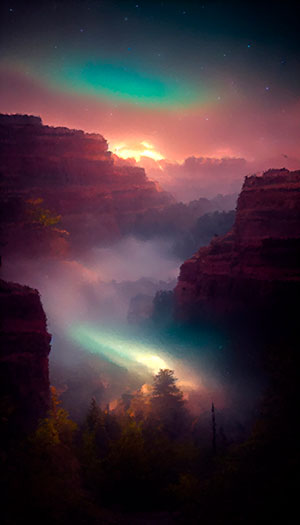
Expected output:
(118, 347)
(126, 84)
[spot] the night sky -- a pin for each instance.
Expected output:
(213, 79)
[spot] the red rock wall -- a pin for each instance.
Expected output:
(256, 265)
(25, 346)
(75, 175)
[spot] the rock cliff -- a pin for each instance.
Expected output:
(255, 267)
(25, 346)
(74, 176)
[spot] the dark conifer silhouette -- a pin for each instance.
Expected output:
(213, 424)
(167, 402)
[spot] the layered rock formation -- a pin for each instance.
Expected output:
(25, 346)
(255, 267)
(74, 176)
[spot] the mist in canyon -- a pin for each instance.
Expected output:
(103, 245)
(109, 338)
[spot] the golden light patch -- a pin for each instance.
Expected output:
(154, 362)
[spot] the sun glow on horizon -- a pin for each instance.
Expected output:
(137, 151)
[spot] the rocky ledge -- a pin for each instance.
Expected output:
(255, 267)
(74, 176)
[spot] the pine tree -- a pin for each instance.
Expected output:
(167, 402)
(94, 417)
(164, 385)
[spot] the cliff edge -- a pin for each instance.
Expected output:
(71, 175)
(255, 267)
(25, 346)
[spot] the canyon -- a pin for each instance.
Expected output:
(63, 193)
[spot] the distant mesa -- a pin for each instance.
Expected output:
(20, 120)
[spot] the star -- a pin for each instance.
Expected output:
(267, 88)
(126, 18)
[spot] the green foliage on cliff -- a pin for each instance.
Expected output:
(57, 428)
(37, 214)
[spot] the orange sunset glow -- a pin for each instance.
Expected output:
(136, 151)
